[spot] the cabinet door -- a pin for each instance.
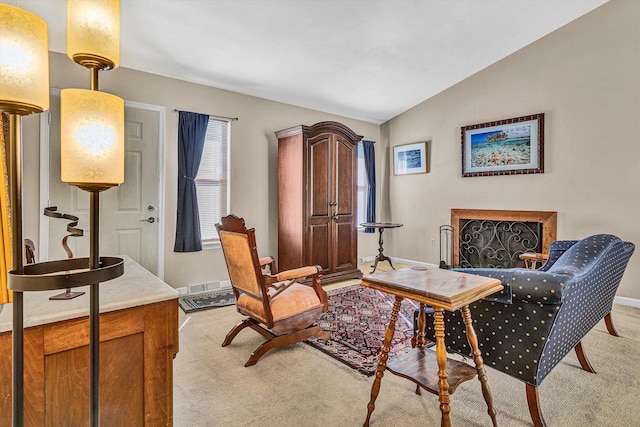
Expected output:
(344, 231)
(319, 197)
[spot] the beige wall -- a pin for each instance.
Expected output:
(253, 155)
(585, 77)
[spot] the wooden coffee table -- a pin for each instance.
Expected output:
(442, 290)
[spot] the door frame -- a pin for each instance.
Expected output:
(45, 120)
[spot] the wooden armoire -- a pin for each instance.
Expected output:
(317, 199)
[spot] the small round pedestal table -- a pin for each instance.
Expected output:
(381, 227)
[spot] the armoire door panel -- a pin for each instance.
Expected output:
(345, 248)
(345, 161)
(318, 242)
(319, 176)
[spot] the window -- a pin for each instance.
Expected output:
(362, 187)
(212, 181)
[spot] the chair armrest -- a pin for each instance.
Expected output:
(296, 273)
(503, 296)
(277, 281)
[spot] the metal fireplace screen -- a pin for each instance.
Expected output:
(497, 244)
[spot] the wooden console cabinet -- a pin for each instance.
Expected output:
(137, 347)
(317, 199)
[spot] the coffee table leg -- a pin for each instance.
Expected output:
(441, 357)
(477, 358)
(384, 355)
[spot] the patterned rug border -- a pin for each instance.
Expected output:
(206, 300)
(366, 365)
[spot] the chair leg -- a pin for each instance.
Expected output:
(233, 332)
(582, 358)
(284, 340)
(250, 323)
(608, 321)
(534, 406)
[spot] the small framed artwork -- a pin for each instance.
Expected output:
(506, 147)
(410, 158)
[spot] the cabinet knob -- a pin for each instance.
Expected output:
(333, 204)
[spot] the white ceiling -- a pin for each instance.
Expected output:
(364, 59)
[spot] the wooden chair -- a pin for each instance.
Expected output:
(276, 305)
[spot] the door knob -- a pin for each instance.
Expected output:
(150, 220)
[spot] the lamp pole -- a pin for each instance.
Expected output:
(15, 194)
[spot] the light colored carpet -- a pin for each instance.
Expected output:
(301, 386)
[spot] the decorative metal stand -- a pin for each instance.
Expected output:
(73, 232)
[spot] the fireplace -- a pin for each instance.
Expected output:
(496, 238)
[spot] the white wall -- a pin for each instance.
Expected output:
(585, 77)
(253, 156)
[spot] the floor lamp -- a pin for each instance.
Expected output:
(92, 153)
(24, 89)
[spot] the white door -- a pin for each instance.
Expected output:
(129, 213)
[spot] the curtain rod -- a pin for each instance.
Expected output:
(233, 119)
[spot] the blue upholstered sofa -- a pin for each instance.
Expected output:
(541, 315)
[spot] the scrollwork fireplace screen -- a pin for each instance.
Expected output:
(496, 239)
(497, 244)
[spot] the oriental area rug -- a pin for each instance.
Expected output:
(357, 320)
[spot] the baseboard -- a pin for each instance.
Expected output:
(630, 302)
(411, 262)
(363, 260)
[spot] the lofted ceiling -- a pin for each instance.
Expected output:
(365, 59)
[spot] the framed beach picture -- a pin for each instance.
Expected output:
(410, 158)
(506, 147)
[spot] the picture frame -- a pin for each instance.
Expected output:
(505, 147)
(410, 158)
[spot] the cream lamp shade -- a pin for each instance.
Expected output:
(92, 139)
(24, 61)
(93, 33)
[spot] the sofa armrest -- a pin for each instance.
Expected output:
(503, 296)
(523, 284)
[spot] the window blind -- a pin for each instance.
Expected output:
(212, 179)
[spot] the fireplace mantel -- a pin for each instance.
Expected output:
(548, 221)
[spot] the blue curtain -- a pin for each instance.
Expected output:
(192, 128)
(370, 169)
